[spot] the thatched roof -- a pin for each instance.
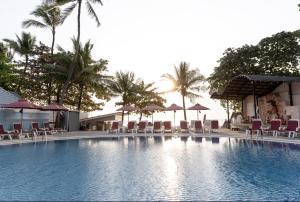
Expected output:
(241, 86)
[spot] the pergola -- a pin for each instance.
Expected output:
(257, 85)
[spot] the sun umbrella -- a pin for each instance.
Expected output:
(198, 107)
(127, 108)
(174, 108)
(54, 107)
(152, 108)
(21, 104)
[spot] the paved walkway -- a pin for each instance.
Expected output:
(101, 134)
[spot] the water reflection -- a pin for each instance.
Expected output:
(215, 140)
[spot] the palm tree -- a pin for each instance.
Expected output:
(24, 47)
(147, 95)
(50, 17)
(187, 82)
(89, 72)
(124, 85)
(71, 5)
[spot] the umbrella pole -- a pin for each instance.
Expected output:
(22, 118)
(152, 117)
(198, 115)
(174, 117)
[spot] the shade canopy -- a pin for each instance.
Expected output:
(127, 108)
(152, 107)
(21, 104)
(54, 107)
(243, 85)
(198, 107)
(173, 107)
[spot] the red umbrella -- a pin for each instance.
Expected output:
(54, 107)
(174, 108)
(198, 107)
(127, 108)
(21, 104)
(152, 108)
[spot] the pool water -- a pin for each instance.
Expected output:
(150, 169)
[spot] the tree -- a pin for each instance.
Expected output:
(188, 82)
(124, 85)
(7, 77)
(146, 95)
(89, 74)
(71, 5)
(50, 17)
(276, 55)
(24, 47)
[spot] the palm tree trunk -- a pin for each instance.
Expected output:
(184, 111)
(80, 96)
(53, 41)
(24, 72)
(141, 115)
(78, 20)
(122, 117)
(50, 78)
(71, 70)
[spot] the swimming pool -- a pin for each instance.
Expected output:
(150, 169)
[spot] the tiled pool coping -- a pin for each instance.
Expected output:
(101, 134)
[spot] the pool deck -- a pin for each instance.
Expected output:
(102, 134)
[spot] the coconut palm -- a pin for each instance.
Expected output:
(89, 73)
(50, 17)
(187, 82)
(124, 85)
(71, 5)
(24, 46)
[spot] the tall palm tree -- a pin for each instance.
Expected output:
(50, 17)
(187, 82)
(124, 85)
(71, 5)
(89, 72)
(24, 46)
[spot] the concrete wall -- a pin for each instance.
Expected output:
(10, 116)
(282, 99)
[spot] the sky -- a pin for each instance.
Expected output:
(149, 37)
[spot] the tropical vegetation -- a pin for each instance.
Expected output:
(188, 82)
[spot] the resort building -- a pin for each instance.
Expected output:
(265, 97)
(101, 122)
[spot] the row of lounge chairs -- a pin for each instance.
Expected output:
(291, 129)
(162, 127)
(35, 131)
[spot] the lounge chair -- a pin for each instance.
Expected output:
(198, 126)
(19, 131)
(167, 127)
(157, 127)
(184, 127)
(291, 128)
(255, 127)
(132, 127)
(214, 125)
(142, 127)
(38, 131)
(115, 127)
(52, 130)
(7, 134)
(274, 127)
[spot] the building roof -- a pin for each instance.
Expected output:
(104, 117)
(241, 86)
(7, 97)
